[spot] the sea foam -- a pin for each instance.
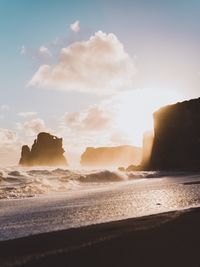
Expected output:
(17, 182)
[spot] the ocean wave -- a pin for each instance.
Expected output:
(24, 182)
(101, 176)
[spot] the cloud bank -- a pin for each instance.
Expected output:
(99, 65)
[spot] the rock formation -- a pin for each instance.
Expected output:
(46, 151)
(176, 144)
(148, 138)
(111, 156)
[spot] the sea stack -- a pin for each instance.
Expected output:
(111, 156)
(46, 151)
(176, 144)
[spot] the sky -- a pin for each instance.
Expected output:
(92, 72)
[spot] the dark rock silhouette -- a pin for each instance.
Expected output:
(111, 156)
(46, 151)
(176, 144)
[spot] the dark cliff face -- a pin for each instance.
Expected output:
(46, 151)
(176, 144)
(111, 156)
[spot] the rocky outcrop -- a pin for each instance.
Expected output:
(111, 156)
(176, 144)
(46, 151)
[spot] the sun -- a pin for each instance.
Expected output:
(135, 110)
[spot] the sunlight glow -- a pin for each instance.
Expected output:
(135, 109)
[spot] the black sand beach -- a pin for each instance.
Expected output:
(168, 239)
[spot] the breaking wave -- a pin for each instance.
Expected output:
(23, 182)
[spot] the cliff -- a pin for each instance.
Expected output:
(176, 144)
(148, 138)
(46, 151)
(111, 156)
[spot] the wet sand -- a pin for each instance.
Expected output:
(168, 239)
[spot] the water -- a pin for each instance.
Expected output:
(19, 182)
(43, 200)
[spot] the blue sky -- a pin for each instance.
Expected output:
(162, 39)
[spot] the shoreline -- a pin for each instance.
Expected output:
(165, 239)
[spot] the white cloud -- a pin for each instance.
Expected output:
(10, 147)
(32, 127)
(27, 114)
(7, 136)
(89, 127)
(75, 27)
(43, 52)
(92, 119)
(99, 65)
(5, 107)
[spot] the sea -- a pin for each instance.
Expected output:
(38, 200)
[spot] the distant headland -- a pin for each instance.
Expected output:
(111, 156)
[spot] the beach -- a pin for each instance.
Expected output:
(168, 239)
(143, 219)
